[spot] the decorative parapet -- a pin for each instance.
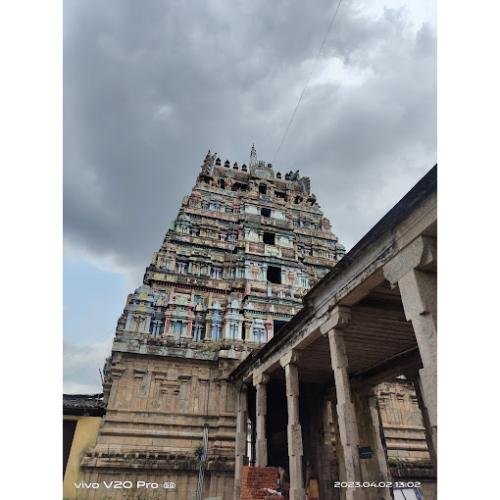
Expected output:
(206, 351)
(148, 460)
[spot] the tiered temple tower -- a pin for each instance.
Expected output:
(247, 244)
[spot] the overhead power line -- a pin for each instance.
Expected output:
(308, 80)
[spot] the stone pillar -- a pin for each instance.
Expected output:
(260, 382)
(379, 449)
(417, 384)
(294, 431)
(241, 438)
(346, 412)
(325, 453)
(339, 454)
(413, 270)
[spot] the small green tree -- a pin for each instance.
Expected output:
(198, 452)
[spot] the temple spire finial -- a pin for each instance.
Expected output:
(253, 156)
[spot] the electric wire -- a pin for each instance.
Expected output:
(308, 80)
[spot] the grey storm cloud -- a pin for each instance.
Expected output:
(82, 364)
(150, 86)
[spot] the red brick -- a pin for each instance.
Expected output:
(254, 479)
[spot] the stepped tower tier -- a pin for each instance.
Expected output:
(244, 249)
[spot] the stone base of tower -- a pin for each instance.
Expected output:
(120, 476)
(158, 409)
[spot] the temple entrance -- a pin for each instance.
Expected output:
(319, 464)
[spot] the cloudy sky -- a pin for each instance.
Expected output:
(150, 86)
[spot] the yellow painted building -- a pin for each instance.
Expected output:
(82, 417)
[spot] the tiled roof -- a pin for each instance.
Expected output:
(78, 404)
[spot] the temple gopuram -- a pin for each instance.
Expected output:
(246, 246)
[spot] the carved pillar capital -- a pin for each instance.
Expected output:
(420, 254)
(260, 378)
(290, 358)
(339, 318)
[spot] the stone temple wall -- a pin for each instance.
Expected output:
(156, 412)
(402, 421)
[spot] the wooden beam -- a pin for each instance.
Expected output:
(389, 368)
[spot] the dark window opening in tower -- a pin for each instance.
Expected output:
(281, 194)
(265, 212)
(274, 274)
(298, 199)
(222, 184)
(262, 189)
(237, 186)
(269, 238)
